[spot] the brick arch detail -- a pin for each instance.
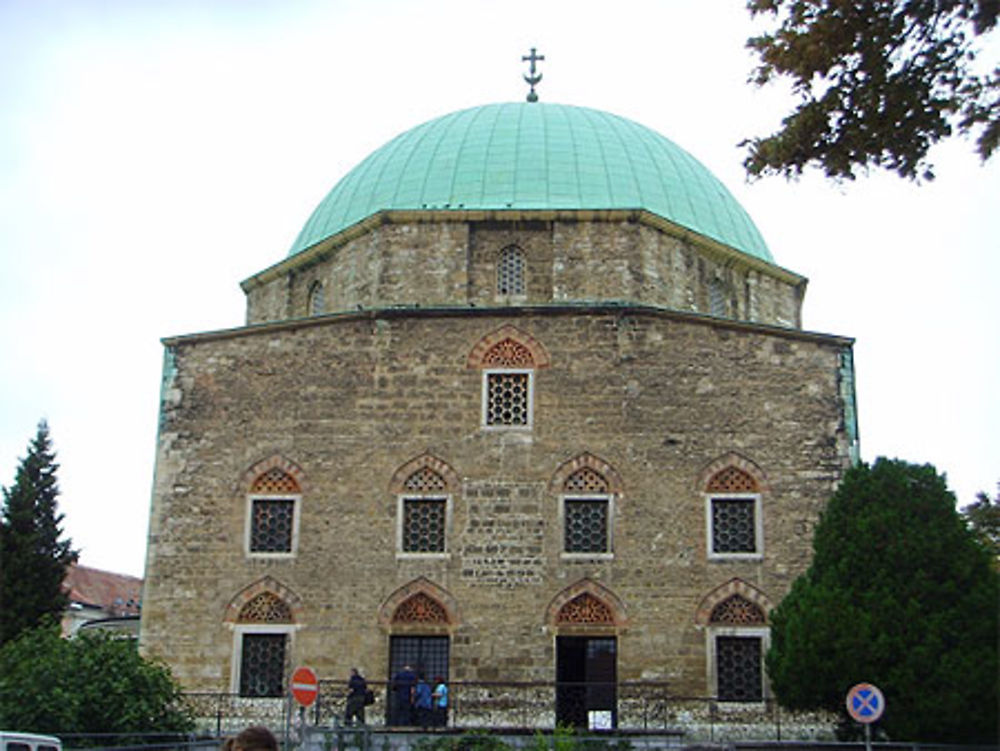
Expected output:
(586, 459)
(591, 588)
(420, 586)
(261, 586)
(275, 461)
(397, 483)
(723, 592)
(732, 459)
(539, 355)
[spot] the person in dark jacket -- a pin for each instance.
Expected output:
(402, 696)
(357, 687)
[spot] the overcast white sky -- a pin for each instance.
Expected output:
(153, 154)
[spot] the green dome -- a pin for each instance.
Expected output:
(535, 155)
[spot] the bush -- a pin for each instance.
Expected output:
(95, 683)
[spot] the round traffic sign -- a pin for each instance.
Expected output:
(305, 686)
(865, 703)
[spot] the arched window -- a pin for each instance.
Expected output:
(733, 515)
(273, 514)
(508, 358)
(587, 513)
(510, 272)
(738, 646)
(262, 629)
(735, 617)
(423, 513)
(317, 299)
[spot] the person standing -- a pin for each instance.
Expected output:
(357, 687)
(422, 701)
(402, 696)
(440, 697)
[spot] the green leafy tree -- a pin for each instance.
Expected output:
(879, 82)
(34, 556)
(983, 518)
(899, 594)
(93, 683)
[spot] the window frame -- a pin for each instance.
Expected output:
(530, 398)
(758, 522)
(252, 629)
(401, 500)
(292, 552)
(761, 633)
(609, 509)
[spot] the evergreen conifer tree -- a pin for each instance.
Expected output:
(33, 557)
(899, 594)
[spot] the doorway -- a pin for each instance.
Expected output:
(427, 655)
(586, 675)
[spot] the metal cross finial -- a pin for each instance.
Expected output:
(532, 78)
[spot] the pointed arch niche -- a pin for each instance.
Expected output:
(424, 488)
(273, 490)
(588, 489)
(263, 618)
(508, 359)
(733, 488)
(734, 616)
(419, 607)
(585, 608)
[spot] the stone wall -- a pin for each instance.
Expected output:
(600, 258)
(348, 400)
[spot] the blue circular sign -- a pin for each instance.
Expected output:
(865, 702)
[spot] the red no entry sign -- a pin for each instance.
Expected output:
(305, 686)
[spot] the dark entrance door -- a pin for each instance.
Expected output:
(586, 673)
(425, 654)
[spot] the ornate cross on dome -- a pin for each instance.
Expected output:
(532, 78)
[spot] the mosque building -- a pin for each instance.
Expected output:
(527, 401)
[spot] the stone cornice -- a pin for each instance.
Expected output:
(602, 308)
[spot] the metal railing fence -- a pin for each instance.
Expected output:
(631, 706)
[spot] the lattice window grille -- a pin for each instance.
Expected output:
(732, 480)
(737, 611)
(585, 609)
(272, 525)
(508, 353)
(510, 271)
(425, 480)
(734, 528)
(738, 668)
(262, 665)
(275, 481)
(586, 525)
(424, 521)
(508, 399)
(420, 608)
(585, 480)
(266, 607)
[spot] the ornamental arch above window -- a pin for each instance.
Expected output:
(272, 516)
(733, 513)
(508, 359)
(587, 488)
(735, 616)
(424, 488)
(263, 619)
